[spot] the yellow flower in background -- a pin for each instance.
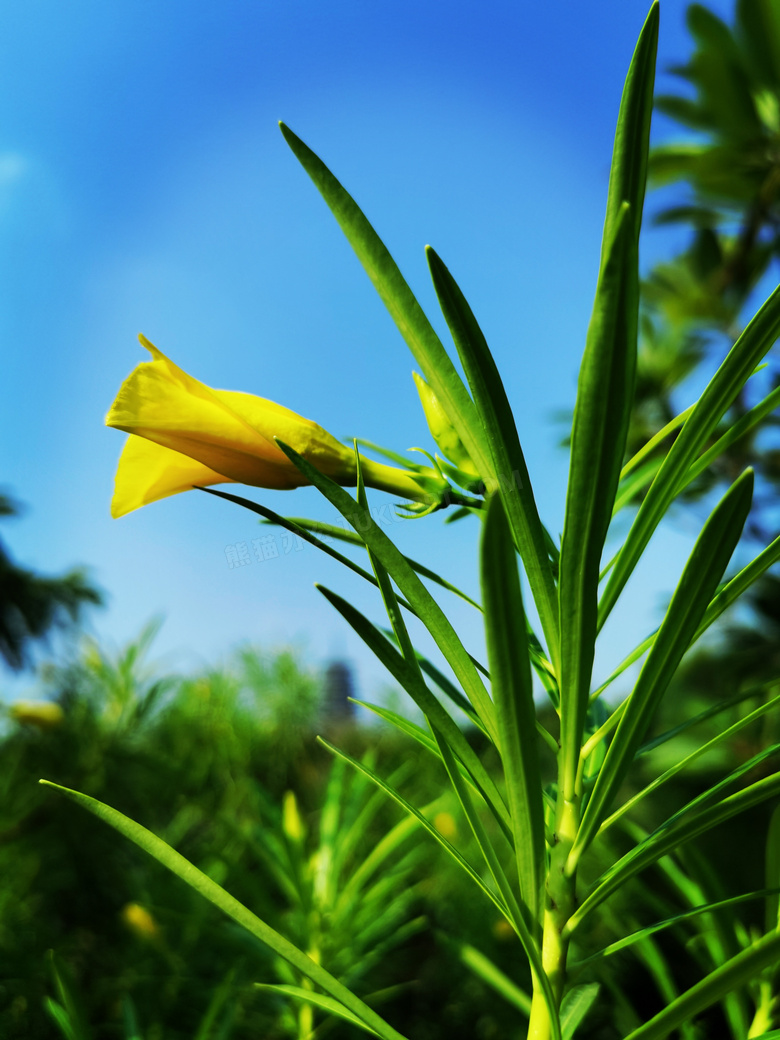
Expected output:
(140, 921)
(42, 714)
(184, 434)
(445, 824)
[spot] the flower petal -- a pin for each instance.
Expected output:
(148, 472)
(230, 432)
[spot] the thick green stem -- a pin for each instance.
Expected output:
(560, 903)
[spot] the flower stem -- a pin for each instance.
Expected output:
(560, 903)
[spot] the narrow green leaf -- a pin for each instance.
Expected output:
(486, 970)
(772, 871)
(688, 760)
(739, 584)
(319, 1000)
(628, 173)
(425, 606)
(705, 567)
(203, 884)
(604, 394)
(410, 679)
(513, 698)
(450, 690)
(721, 601)
(575, 1006)
(332, 531)
(735, 432)
(649, 447)
(670, 922)
(59, 1016)
(302, 532)
(71, 1004)
(130, 1021)
(530, 937)
(629, 487)
(405, 726)
(720, 392)
(426, 824)
(668, 838)
(736, 972)
(708, 713)
(353, 892)
(601, 413)
(509, 472)
(438, 369)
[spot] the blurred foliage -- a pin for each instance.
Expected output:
(726, 167)
(32, 605)
(225, 767)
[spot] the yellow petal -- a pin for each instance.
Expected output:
(148, 472)
(230, 433)
(305, 436)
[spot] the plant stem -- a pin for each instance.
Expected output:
(560, 903)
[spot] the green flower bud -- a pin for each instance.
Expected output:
(442, 430)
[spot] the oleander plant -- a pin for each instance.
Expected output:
(561, 823)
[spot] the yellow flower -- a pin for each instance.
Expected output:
(42, 714)
(445, 824)
(140, 921)
(184, 435)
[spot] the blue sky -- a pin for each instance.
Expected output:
(145, 187)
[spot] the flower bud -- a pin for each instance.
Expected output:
(442, 430)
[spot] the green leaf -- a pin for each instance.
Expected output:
(513, 698)
(332, 531)
(509, 472)
(575, 1006)
(669, 837)
(450, 690)
(217, 895)
(760, 23)
(405, 726)
(717, 68)
(319, 1000)
(59, 1016)
(683, 763)
(670, 922)
(353, 892)
(708, 713)
(705, 567)
(772, 870)
(426, 824)
(723, 599)
(530, 939)
(423, 603)
(629, 158)
(604, 395)
(735, 432)
(438, 369)
(486, 970)
(409, 678)
(303, 532)
(720, 392)
(130, 1021)
(72, 1011)
(736, 972)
